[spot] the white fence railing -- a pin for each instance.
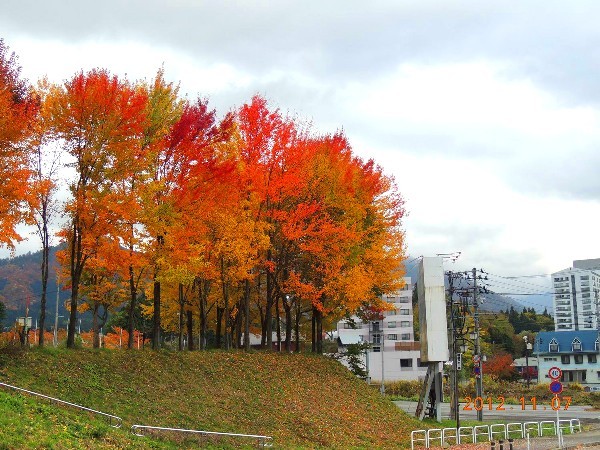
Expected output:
(261, 441)
(440, 437)
(114, 421)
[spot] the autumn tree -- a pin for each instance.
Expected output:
(197, 178)
(96, 116)
(349, 245)
(265, 136)
(102, 290)
(18, 111)
(500, 367)
(43, 204)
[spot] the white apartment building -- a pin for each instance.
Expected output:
(576, 291)
(392, 340)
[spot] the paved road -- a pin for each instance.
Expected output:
(515, 412)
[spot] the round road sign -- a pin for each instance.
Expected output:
(556, 387)
(555, 373)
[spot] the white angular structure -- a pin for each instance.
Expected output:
(432, 310)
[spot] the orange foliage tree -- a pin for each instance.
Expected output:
(96, 116)
(500, 367)
(18, 112)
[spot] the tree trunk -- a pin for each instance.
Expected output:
(220, 312)
(156, 316)
(203, 318)
(44, 268)
(156, 298)
(247, 315)
(76, 268)
(269, 307)
(238, 325)
(132, 305)
(314, 330)
(319, 332)
(278, 318)
(297, 324)
(181, 312)
(226, 302)
(95, 326)
(288, 325)
(190, 330)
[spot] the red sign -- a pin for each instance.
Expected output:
(555, 373)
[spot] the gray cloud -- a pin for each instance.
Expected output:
(555, 43)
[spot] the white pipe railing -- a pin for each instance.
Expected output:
(117, 420)
(262, 441)
(463, 435)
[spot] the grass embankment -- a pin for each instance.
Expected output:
(303, 401)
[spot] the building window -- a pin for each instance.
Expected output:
(376, 349)
(576, 345)
(406, 363)
(391, 324)
(565, 359)
(553, 347)
(404, 312)
(597, 344)
(549, 359)
(405, 323)
(376, 339)
(392, 337)
(578, 359)
(348, 326)
(375, 326)
(592, 358)
(406, 336)
(421, 363)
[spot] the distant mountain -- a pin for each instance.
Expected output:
(21, 286)
(489, 302)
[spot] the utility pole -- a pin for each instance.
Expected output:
(56, 315)
(454, 414)
(525, 338)
(478, 376)
(382, 389)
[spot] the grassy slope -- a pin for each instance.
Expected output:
(300, 400)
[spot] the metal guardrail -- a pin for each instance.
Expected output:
(482, 433)
(262, 441)
(117, 420)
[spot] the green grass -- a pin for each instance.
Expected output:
(303, 401)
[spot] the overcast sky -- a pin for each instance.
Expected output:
(486, 113)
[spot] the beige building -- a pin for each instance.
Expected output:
(392, 340)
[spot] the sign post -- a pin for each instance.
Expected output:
(556, 388)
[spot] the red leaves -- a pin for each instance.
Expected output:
(18, 110)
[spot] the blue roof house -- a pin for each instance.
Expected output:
(574, 352)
